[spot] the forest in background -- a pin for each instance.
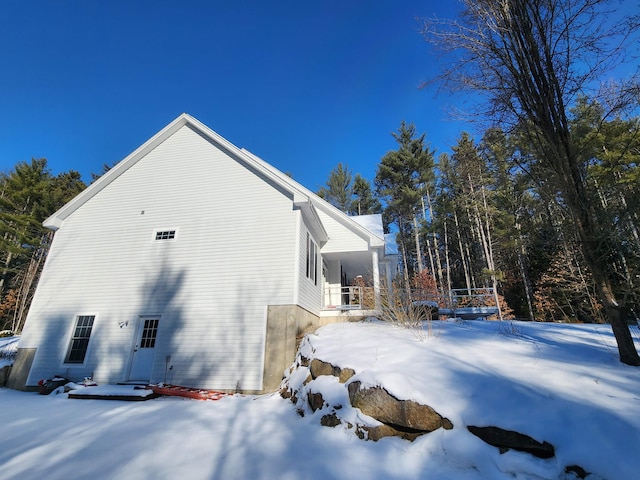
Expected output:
(482, 216)
(543, 207)
(477, 216)
(29, 193)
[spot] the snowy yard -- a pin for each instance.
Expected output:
(554, 382)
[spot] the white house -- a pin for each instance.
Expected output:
(193, 262)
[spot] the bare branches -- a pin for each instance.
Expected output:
(524, 57)
(532, 60)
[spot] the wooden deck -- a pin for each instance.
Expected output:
(128, 393)
(139, 393)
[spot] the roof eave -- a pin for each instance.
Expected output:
(56, 220)
(313, 221)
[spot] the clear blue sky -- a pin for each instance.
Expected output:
(303, 84)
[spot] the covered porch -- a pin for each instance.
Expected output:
(351, 282)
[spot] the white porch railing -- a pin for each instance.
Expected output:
(458, 302)
(462, 302)
(343, 298)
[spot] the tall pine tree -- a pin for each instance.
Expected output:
(403, 178)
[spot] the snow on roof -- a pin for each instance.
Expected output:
(373, 223)
(390, 245)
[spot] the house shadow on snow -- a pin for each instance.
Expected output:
(193, 346)
(208, 337)
(183, 355)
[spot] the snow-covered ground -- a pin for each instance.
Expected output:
(8, 348)
(555, 382)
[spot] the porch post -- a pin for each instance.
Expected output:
(376, 279)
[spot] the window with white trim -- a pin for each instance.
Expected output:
(80, 339)
(312, 259)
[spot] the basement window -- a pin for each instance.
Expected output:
(165, 235)
(80, 339)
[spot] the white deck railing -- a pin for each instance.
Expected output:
(343, 298)
(459, 302)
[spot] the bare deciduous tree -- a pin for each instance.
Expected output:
(532, 59)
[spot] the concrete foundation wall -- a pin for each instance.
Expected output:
(284, 324)
(20, 370)
(4, 375)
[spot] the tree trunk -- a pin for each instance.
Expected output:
(522, 265)
(465, 267)
(599, 267)
(626, 347)
(446, 255)
(431, 262)
(407, 283)
(416, 234)
(436, 246)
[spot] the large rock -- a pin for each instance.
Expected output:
(318, 368)
(380, 431)
(405, 415)
(508, 439)
(316, 401)
(330, 420)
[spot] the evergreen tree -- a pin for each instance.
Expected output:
(338, 190)
(531, 58)
(403, 178)
(28, 195)
(352, 197)
(364, 202)
(21, 211)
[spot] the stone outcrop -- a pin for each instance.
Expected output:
(406, 419)
(380, 431)
(316, 402)
(400, 418)
(318, 368)
(508, 439)
(577, 471)
(403, 415)
(330, 420)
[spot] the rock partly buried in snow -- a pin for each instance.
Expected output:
(330, 420)
(508, 439)
(403, 415)
(316, 402)
(319, 368)
(381, 431)
(577, 471)
(400, 418)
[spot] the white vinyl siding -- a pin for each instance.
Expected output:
(234, 257)
(341, 239)
(309, 271)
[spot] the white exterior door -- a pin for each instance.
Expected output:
(144, 349)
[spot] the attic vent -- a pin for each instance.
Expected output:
(165, 235)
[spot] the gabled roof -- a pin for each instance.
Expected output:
(375, 238)
(303, 198)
